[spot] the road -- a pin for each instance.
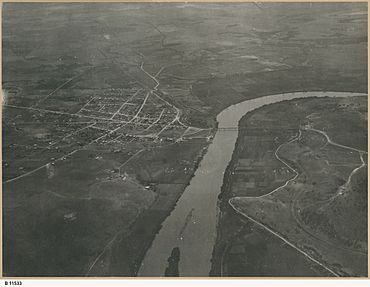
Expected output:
(329, 141)
(280, 237)
(334, 143)
(126, 102)
(150, 91)
(62, 85)
(286, 164)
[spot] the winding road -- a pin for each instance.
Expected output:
(330, 142)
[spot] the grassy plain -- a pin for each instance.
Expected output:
(108, 108)
(313, 193)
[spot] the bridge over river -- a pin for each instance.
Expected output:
(194, 236)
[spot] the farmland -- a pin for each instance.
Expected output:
(312, 188)
(109, 108)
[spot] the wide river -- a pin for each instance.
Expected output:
(191, 226)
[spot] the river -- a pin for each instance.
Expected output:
(191, 226)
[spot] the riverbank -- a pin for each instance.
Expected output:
(200, 197)
(168, 181)
(245, 178)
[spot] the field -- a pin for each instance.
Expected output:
(108, 109)
(311, 195)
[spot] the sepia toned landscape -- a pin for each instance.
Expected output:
(184, 139)
(292, 177)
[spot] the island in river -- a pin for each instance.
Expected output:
(109, 108)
